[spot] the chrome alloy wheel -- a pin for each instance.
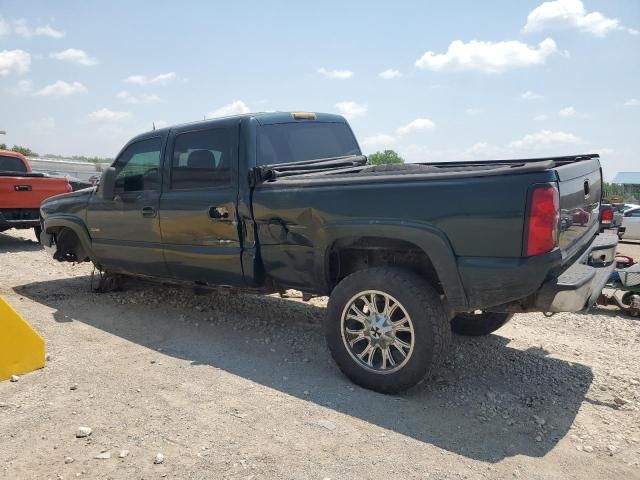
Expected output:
(377, 332)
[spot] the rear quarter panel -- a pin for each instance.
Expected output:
(479, 216)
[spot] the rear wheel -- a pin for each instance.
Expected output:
(478, 324)
(386, 328)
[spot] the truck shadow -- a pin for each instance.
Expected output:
(489, 401)
(10, 243)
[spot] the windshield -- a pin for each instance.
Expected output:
(11, 164)
(296, 142)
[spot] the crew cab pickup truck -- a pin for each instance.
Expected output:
(406, 253)
(22, 192)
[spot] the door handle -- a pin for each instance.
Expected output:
(148, 212)
(218, 213)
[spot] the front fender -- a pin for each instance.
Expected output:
(429, 239)
(74, 223)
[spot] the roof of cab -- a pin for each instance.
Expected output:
(263, 118)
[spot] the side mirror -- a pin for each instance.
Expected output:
(107, 184)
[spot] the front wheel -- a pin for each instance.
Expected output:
(478, 324)
(386, 328)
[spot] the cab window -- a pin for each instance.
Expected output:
(202, 159)
(138, 168)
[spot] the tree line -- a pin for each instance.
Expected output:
(27, 152)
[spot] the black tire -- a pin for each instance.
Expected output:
(37, 230)
(431, 333)
(479, 324)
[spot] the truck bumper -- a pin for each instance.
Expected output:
(19, 218)
(577, 288)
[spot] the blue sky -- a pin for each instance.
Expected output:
(463, 79)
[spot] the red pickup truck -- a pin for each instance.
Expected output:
(22, 191)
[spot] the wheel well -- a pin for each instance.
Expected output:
(349, 255)
(69, 247)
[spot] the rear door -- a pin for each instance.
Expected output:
(198, 215)
(125, 231)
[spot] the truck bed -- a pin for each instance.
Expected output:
(479, 209)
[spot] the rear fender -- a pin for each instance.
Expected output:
(432, 241)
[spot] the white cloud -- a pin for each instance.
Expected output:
(529, 95)
(378, 140)
(335, 74)
(471, 111)
(390, 74)
(161, 79)
(567, 112)
(416, 125)
(544, 139)
(571, 112)
(572, 14)
(234, 108)
(351, 109)
(5, 28)
(21, 27)
(145, 98)
(491, 57)
(24, 87)
(632, 102)
(484, 150)
(382, 139)
(104, 114)
(11, 61)
(61, 89)
(540, 117)
(74, 55)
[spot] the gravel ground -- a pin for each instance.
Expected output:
(178, 385)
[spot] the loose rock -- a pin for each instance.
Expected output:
(103, 456)
(15, 378)
(68, 460)
(123, 453)
(158, 459)
(327, 424)
(83, 432)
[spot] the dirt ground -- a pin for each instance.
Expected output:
(242, 386)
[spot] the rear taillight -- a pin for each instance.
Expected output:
(542, 224)
(606, 216)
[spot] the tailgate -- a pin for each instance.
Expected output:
(29, 192)
(580, 186)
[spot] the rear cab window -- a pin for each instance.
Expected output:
(12, 164)
(299, 141)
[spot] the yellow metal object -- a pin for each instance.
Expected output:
(21, 348)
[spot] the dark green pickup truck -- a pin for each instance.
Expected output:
(406, 253)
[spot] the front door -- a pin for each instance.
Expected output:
(198, 216)
(125, 231)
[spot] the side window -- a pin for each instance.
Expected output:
(634, 213)
(138, 168)
(201, 159)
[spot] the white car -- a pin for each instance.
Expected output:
(631, 222)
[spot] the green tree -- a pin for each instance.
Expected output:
(3, 146)
(26, 151)
(388, 156)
